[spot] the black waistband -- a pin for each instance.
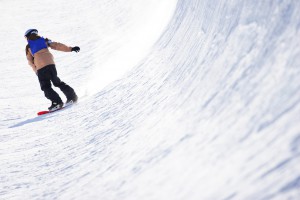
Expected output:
(46, 67)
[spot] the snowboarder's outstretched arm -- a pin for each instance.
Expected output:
(62, 47)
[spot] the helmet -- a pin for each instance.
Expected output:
(30, 31)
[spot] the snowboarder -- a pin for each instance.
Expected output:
(42, 63)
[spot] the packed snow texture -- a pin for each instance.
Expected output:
(187, 99)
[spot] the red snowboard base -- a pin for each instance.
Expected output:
(47, 111)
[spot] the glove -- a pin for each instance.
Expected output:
(76, 49)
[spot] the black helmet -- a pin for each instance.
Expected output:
(30, 31)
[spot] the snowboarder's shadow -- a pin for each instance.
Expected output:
(32, 120)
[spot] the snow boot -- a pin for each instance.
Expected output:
(55, 106)
(73, 100)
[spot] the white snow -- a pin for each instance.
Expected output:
(187, 99)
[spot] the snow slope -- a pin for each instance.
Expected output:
(187, 99)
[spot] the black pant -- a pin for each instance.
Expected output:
(47, 75)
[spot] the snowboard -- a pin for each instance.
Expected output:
(48, 111)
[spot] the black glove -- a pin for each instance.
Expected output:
(76, 49)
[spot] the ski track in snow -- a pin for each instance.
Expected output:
(187, 99)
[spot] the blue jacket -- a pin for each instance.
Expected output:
(37, 45)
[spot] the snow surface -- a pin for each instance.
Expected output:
(187, 99)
